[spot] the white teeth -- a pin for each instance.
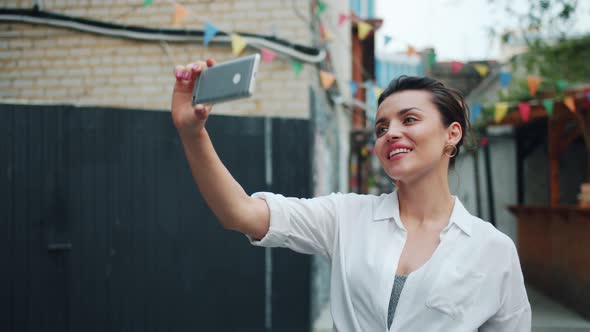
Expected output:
(396, 151)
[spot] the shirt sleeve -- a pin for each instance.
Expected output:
(304, 225)
(515, 310)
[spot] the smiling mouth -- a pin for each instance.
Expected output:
(396, 152)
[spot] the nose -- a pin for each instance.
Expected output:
(393, 133)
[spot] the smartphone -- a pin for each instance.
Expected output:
(227, 81)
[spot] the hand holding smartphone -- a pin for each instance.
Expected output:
(227, 81)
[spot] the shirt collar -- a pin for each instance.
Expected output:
(387, 206)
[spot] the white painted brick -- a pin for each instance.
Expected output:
(56, 52)
(43, 81)
(22, 83)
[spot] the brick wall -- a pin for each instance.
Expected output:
(39, 63)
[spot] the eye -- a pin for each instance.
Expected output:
(409, 120)
(380, 130)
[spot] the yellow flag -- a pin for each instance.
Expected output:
(377, 91)
(180, 14)
(481, 69)
(500, 111)
(327, 79)
(237, 44)
(363, 30)
(570, 103)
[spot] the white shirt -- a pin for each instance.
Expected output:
(472, 281)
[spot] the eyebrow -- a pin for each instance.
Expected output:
(400, 113)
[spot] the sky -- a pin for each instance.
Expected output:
(457, 29)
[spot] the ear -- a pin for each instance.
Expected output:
(454, 133)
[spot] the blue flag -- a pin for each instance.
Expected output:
(505, 78)
(210, 32)
(387, 40)
(475, 111)
(353, 88)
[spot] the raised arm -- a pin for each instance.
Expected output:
(223, 194)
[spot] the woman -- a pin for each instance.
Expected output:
(411, 260)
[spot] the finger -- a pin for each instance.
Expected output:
(196, 68)
(201, 111)
(211, 62)
(178, 70)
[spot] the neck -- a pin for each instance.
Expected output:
(426, 202)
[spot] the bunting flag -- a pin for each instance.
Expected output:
(505, 79)
(525, 111)
(210, 32)
(570, 103)
(411, 51)
(297, 67)
(180, 14)
(475, 112)
(267, 55)
(363, 30)
(327, 79)
(431, 59)
(481, 69)
(321, 7)
(561, 85)
(387, 40)
(500, 111)
(588, 96)
(342, 18)
(147, 2)
(237, 44)
(326, 35)
(548, 104)
(353, 88)
(456, 66)
(533, 82)
(377, 91)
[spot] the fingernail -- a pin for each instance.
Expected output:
(200, 112)
(185, 75)
(178, 74)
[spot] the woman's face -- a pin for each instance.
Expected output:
(411, 136)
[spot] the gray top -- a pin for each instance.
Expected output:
(396, 291)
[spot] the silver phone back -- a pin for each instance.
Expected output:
(226, 81)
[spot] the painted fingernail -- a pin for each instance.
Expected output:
(178, 74)
(185, 75)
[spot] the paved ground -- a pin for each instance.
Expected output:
(548, 316)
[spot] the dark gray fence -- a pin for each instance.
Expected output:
(103, 229)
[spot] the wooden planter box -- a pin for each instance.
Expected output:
(554, 251)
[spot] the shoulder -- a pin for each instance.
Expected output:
(495, 245)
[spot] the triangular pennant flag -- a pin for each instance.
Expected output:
(500, 111)
(147, 2)
(210, 32)
(481, 69)
(525, 111)
(267, 55)
(431, 59)
(321, 7)
(180, 14)
(327, 79)
(570, 103)
(297, 67)
(387, 40)
(237, 44)
(475, 111)
(505, 79)
(548, 104)
(561, 85)
(326, 35)
(533, 82)
(456, 66)
(377, 91)
(363, 29)
(588, 96)
(353, 88)
(342, 18)
(411, 51)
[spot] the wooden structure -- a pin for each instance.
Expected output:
(553, 243)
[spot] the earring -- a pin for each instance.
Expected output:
(454, 149)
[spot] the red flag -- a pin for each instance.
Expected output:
(456, 65)
(525, 111)
(342, 18)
